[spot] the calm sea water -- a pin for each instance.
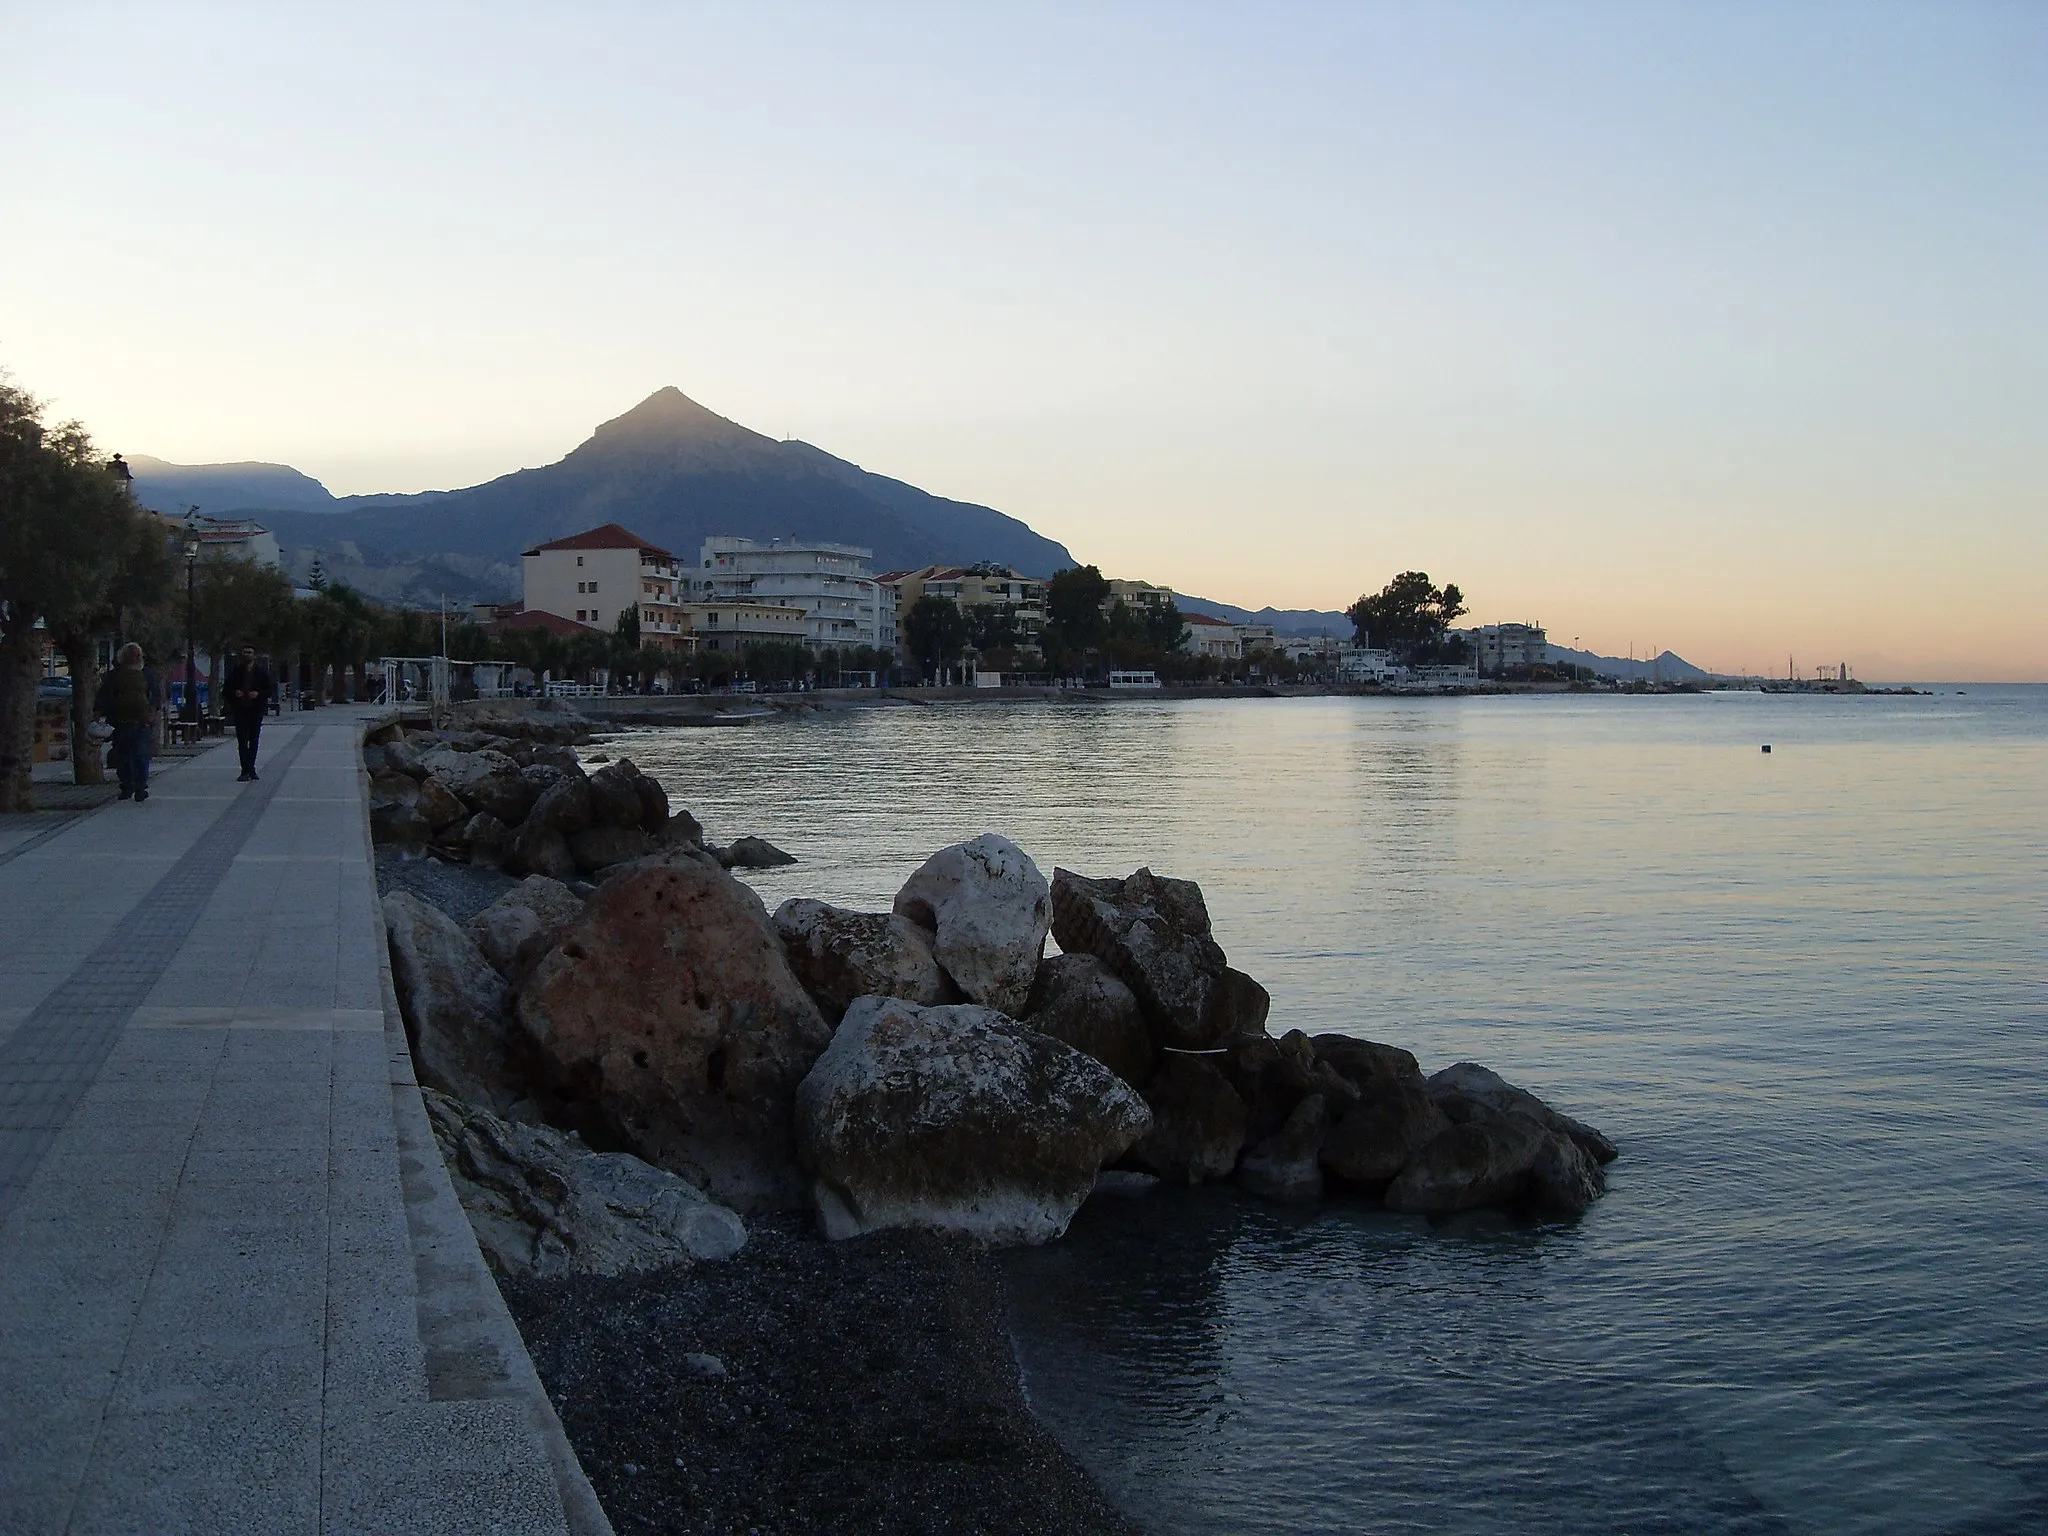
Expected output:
(1806, 992)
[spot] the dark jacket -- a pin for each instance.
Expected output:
(127, 696)
(249, 688)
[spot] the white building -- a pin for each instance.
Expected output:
(593, 577)
(1211, 637)
(842, 602)
(1357, 664)
(1256, 637)
(1499, 647)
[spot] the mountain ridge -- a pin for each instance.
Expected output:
(671, 469)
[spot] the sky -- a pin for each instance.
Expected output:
(1720, 328)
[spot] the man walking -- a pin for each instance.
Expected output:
(249, 690)
(128, 702)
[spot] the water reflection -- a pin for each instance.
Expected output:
(1803, 991)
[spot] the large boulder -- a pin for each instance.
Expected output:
(395, 815)
(1381, 1134)
(563, 807)
(1154, 933)
(483, 780)
(1283, 1167)
(957, 1119)
(438, 804)
(536, 848)
(669, 1018)
(393, 789)
(514, 931)
(541, 1203)
(407, 756)
(607, 843)
(753, 853)
(1198, 1122)
(1077, 999)
(840, 955)
(987, 909)
(653, 806)
(1486, 1161)
(453, 1002)
(614, 795)
(484, 836)
(1467, 1081)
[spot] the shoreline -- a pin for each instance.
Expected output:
(870, 1384)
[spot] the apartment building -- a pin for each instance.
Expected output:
(831, 585)
(1137, 594)
(1500, 647)
(594, 576)
(1217, 638)
(971, 586)
(732, 627)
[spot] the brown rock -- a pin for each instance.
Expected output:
(1076, 998)
(1154, 934)
(536, 848)
(438, 804)
(1485, 1161)
(453, 1004)
(1283, 1167)
(564, 806)
(1198, 1122)
(670, 1012)
(600, 847)
(1378, 1137)
(840, 955)
(614, 795)
(653, 805)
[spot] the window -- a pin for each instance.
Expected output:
(593, 589)
(579, 559)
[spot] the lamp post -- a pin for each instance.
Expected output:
(191, 620)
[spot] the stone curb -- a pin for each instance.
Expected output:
(473, 1348)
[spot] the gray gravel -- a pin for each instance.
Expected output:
(460, 890)
(805, 1386)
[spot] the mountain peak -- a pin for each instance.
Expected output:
(668, 419)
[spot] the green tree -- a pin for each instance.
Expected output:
(237, 602)
(935, 631)
(63, 528)
(140, 580)
(1075, 625)
(1408, 616)
(337, 629)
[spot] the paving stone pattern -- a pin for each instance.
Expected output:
(218, 1312)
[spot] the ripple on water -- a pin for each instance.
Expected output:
(1804, 992)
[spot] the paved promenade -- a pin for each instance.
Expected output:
(236, 1293)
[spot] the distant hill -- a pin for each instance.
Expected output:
(1306, 622)
(221, 488)
(1667, 666)
(670, 470)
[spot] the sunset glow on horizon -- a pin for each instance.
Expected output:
(1714, 330)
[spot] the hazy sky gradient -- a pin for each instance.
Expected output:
(1716, 327)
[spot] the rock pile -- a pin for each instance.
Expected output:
(527, 806)
(928, 1066)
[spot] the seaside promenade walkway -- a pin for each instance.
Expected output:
(236, 1292)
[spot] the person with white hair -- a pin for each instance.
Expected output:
(128, 702)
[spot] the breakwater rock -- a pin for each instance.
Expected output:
(926, 1067)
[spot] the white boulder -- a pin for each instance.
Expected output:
(988, 910)
(957, 1119)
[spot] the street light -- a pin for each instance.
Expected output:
(191, 616)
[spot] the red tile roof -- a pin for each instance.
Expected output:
(539, 618)
(610, 536)
(1203, 618)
